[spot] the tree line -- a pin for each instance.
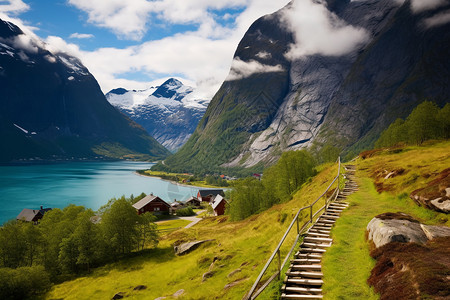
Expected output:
(279, 182)
(427, 121)
(68, 241)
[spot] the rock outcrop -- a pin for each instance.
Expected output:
(400, 227)
(345, 99)
(188, 247)
(436, 195)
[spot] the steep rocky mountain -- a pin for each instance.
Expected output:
(293, 84)
(51, 107)
(170, 112)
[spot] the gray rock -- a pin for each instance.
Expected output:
(207, 275)
(399, 227)
(382, 232)
(178, 293)
(118, 295)
(188, 247)
(442, 204)
(231, 284)
(435, 231)
(234, 272)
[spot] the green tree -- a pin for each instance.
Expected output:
(443, 118)
(119, 224)
(147, 227)
(396, 133)
(422, 123)
(33, 240)
(13, 247)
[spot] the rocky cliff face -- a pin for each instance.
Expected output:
(170, 112)
(53, 108)
(340, 81)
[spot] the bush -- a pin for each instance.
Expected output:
(188, 211)
(425, 122)
(23, 283)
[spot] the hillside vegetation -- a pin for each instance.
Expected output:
(347, 264)
(235, 256)
(231, 262)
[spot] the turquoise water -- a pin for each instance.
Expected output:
(90, 184)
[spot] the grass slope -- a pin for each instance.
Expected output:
(242, 247)
(347, 264)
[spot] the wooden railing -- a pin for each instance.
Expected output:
(253, 293)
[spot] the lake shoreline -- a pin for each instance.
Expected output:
(171, 181)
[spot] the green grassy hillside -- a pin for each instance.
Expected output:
(240, 249)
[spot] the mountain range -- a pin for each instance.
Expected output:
(169, 112)
(53, 108)
(293, 84)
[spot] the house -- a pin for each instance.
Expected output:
(32, 215)
(193, 201)
(208, 195)
(151, 203)
(218, 205)
(174, 206)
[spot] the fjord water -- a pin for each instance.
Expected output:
(90, 184)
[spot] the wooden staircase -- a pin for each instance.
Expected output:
(304, 276)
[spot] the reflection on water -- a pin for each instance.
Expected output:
(82, 183)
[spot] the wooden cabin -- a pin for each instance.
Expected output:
(193, 201)
(32, 215)
(218, 205)
(209, 195)
(153, 204)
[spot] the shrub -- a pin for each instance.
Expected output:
(187, 211)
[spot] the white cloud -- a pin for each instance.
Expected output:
(13, 6)
(318, 31)
(201, 57)
(418, 6)
(127, 19)
(77, 35)
(263, 55)
(242, 69)
(438, 19)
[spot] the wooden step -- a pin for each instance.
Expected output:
(316, 234)
(324, 224)
(311, 250)
(310, 282)
(318, 230)
(324, 220)
(317, 239)
(303, 297)
(296, 289)
(328, 216)
(304, 274)
(309, 255)
(334, 211)
(306, 261)
(306, 267)
(314, 245)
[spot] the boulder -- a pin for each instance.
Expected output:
(188, 247)
(234, 272)
(435, 231)
(207, 275)
(400, 227)
(436, 195)
(118, 295)
(178, 293)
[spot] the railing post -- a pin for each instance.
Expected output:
(279, 264)
(310, 214)
(298, 228)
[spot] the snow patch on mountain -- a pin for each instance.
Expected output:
(169, 112)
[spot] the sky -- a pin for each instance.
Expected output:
(136, 44)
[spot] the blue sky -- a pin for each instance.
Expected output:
(138, 43)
